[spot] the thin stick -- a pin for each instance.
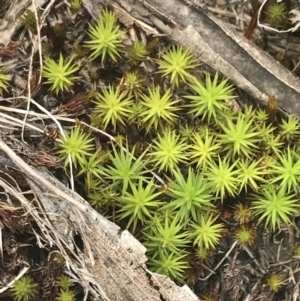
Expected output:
(36, 176)
(217, 266)
(268, 27)
(38, 29)
(55, 118)
(63, 135)
(29, 93)
(38, 39)
(10, 284)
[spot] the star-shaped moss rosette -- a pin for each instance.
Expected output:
(177, 64)
(190, 195)
(133, 84)
(113, 106)
(65, 295)
(206, 231)
(124, 168)
(137, 53)
(275, 282)
(4, 79)
(245, 235)
(24, 289)
(239, 137)
(159, 109)
(204, 148)
(242, 213)
(276, 13)
(289, 129)
(223, 178)
(287, 171)
(251, 174)
(77, 145)
(172, 265)
(60, 75)
(166, 233)
(274, 206)
(209, 99)
(139, 203)
(105, 37)
(168, 151)
(92, 168)
(65, 282)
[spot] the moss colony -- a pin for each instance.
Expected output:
(182, 165)
(197, 156)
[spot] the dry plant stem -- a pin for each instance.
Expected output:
(38, 39)
(29, 93)
(278, 251)
(61, 132)
(17, 186)
(291, 239)
(10, 284)
(221, 261)
(37, 177)
(280, 263)
(291, 275)
(269, 27)
(43, 223)
(53, 237)
(210, 270)
(296, 292)
(38, 29)
(296, 229)
(55, 118)
(253, 258)
(248, 298)
(1, 245)
(14, 121)
(38, 116)
(32, 173)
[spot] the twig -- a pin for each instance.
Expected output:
(10, 284)
(253, 258)
(38, 29)
(268, 27)
(62, 134)
(217, 266)
(55, 118)
(38, 38)
(32, 173)
(29, 93)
